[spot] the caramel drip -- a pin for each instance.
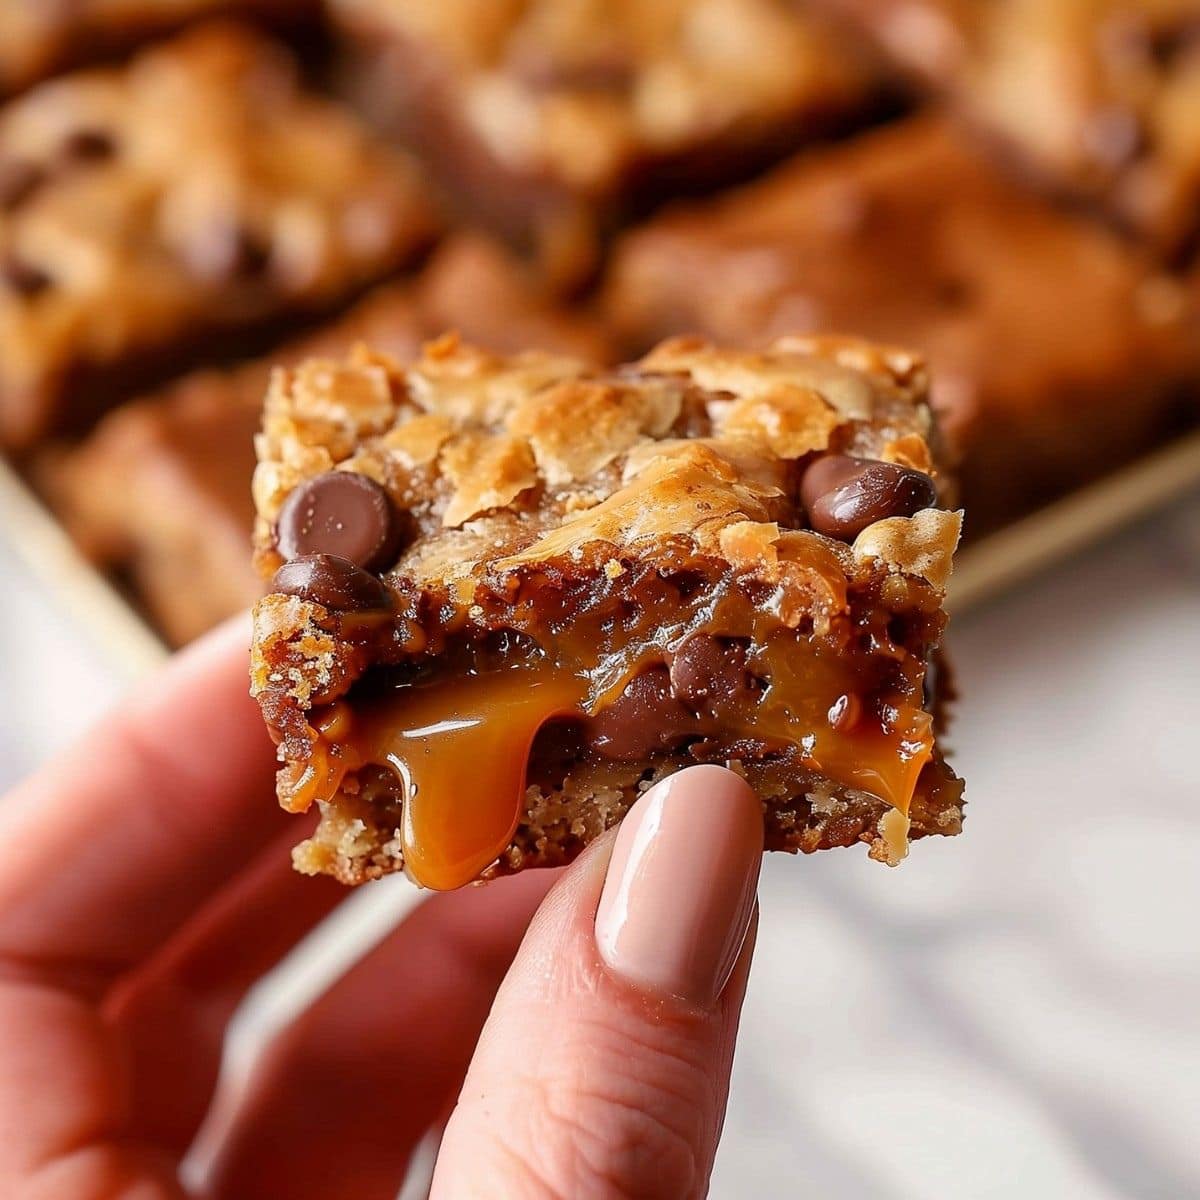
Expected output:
(461, 748)
(886, 765)
(805, 705)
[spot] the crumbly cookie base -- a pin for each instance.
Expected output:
(352, 845)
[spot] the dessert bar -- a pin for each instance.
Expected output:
(160, 491)
(1056, 351)
(547, 119)
(1100, 98)
(197, 190)
(157, 496)
(509, 593)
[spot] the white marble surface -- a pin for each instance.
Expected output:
(1012, 1014)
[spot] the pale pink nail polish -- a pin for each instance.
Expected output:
(681, 883)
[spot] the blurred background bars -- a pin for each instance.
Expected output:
(193, 191)
(1010, 189)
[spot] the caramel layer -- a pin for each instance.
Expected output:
(660, 665)
(460, 747)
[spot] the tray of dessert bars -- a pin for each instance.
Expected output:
(276, 186)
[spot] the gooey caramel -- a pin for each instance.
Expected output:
(460, 745)
(813, 704)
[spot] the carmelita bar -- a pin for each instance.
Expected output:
(510, 593)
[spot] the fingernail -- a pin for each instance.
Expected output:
(681, 883)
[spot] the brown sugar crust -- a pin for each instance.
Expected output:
(589, 523)
(160, 491)
(1033, 402)
(197, 189)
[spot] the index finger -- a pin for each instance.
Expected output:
(604, 1065)
(104, 853)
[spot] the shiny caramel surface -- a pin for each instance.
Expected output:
(814, 703)
(460, 748)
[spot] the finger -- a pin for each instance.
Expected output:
(603, 1069)
(175, 1010)
(244, 930)
(106, 852)
(344, 1095)
(101, 1093)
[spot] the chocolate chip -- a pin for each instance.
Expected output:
(559, 743)
(953, 292)
(601, 72)
(706, 667)
(332, 581)
(19, 179)
(929, 684)
(342, 513)
(1167, 45)
(646, 718)
(88, 145)
(843, 495)
(23, 278)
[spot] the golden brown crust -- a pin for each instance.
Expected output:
(349, 844)
(548, 121)
(40, 37)
(578, 92)
(1099, 97)
(537, 456)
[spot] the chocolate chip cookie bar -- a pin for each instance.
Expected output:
(159, 493)
(509, 593)
(1100, 97)
(547, 119)
(197, 190)
(1056, 350)
(40, 37)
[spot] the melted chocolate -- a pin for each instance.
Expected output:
(646, 718)
(707, 668)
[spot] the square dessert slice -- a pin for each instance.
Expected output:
(1056, 350)
(156, 495)
(546, 119)
(41, 37)
(1101, 98)
(159, 492)
(196, 190)
(507, 594)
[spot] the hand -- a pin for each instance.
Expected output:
(145, 886)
